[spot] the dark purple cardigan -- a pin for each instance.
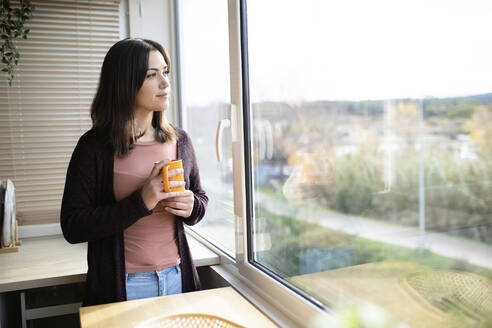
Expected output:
(90, 213)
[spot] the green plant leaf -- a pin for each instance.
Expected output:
(12, 22)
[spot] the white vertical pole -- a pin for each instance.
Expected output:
(388, 145)
(421, 241)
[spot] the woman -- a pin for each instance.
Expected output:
(114, 196)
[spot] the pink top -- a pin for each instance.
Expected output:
(150, 243)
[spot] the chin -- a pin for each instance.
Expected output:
(161, 108)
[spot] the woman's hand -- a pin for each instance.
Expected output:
(181, 204)
(153, 189)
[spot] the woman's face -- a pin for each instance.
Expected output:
(155, 91)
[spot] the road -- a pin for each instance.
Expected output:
(446, 245)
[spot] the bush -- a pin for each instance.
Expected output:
(458, 194)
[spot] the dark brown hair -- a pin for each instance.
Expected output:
(122, 75)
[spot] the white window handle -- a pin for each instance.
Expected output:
(223, 124)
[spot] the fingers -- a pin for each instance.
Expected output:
(153, 189)
(180, 208)
(156, 170)
(179, 203)
(176, 205)
(173, 173)
(174, 184)
(172, 194)
(179, 195)
(182, 213)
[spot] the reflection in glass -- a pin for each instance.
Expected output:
(205, 76)
(372, 156)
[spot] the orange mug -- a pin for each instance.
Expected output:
(177, 164)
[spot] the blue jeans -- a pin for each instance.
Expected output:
(153, 283)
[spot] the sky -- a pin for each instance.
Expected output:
(342, 50)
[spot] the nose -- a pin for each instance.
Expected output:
(164, 81)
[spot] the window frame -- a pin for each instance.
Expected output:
(182, 118)
(298, 306)
(278, 298)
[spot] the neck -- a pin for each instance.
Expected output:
(144, 126)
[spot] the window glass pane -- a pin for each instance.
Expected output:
(206, 93)
(372, 155)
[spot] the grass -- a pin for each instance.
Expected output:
(289, 237)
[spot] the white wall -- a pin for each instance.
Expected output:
(153, 19)
(124, 24)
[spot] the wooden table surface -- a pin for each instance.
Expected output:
(51, 261)
(225, 303)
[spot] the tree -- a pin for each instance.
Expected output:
(480, 129)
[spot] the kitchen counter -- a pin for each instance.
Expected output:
(50, 261)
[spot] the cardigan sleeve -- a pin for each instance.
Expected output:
(201, 199)
(82, 217)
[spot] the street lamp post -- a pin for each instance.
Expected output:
(421, 239)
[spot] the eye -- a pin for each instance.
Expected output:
(166, 71)
(151, 75)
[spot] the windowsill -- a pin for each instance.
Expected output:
(47, 259)
(247, 289)
(39, 230)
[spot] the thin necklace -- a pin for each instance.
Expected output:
(140, 135)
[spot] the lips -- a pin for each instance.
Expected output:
(164, 95)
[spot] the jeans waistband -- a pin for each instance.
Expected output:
(153, 272)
